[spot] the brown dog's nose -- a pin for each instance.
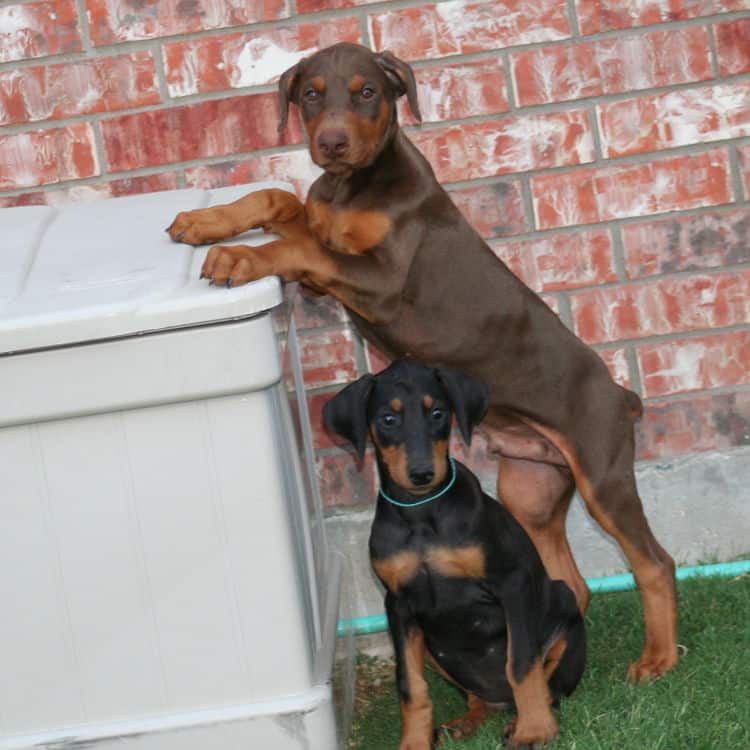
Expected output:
(333, 142)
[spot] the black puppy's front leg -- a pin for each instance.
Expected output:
(416, 707)
(522, 598)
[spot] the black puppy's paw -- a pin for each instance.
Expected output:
(509, 741)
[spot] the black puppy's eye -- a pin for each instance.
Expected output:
(367, 92)
(389, 420)
(437, 414)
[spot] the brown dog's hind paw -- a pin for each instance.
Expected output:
(651, 667)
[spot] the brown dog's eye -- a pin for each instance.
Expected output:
(311, 95)
(367, 92)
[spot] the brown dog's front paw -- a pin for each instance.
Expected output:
(652, 666)
(202, 226)
(232, 266)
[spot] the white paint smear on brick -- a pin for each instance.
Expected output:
(683, 372)
(261, 61)
(16, 33)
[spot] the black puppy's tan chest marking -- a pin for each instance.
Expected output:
(398, 569)
(457, 562)
(450, 562)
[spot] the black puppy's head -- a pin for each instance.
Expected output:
(347, 96)
(407, 411)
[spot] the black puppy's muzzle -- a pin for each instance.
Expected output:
(421, 475)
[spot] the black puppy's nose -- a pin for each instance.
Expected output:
(333, 142)
(420, 478)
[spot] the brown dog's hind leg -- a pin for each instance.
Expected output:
(614, 503)
(262, 208)
(538, 495)
(602, 468)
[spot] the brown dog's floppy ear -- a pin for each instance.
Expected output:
(346, 413)
(402, 77)
(287, 92)
(469, 397)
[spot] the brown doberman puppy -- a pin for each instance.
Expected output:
(380, 234)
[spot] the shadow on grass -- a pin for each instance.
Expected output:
(703, 705)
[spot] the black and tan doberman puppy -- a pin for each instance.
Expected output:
(380, 234)
(465, 584)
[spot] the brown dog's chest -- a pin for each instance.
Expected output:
(351, 231)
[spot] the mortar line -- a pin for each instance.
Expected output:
(724, 390)
(596, 134)
(527, 203)
(85, 31)
(575, 27)
(713, 50)
(633, 369)
(364, 30)
(565, 311)
(669, 338)
(738, 183)
(510, 82)
(157, 53)
(99, 149)
(619, 254)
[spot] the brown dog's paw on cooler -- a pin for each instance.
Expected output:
(465, 586)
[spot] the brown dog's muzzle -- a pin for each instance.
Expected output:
(341, 141)
(333, 143)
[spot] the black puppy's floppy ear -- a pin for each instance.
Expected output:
(402, 77)
(469, 397)
(346, 413)
(288, 92)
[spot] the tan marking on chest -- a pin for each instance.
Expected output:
(350, 231)
(457, 562)
(397, 570)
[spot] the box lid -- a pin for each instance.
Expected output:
(108, 269)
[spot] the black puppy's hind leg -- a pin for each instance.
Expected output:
(565, 655)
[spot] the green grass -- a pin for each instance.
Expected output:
(703, 705)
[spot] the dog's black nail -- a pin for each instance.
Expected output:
(202, 276)
(229, 283)
(211, 283)
(179, 237)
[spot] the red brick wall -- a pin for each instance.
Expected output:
(601, 146)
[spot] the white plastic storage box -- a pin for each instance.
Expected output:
(165, 582)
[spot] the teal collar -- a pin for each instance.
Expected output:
(427, 499)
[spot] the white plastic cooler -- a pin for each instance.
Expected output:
(165, 581)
